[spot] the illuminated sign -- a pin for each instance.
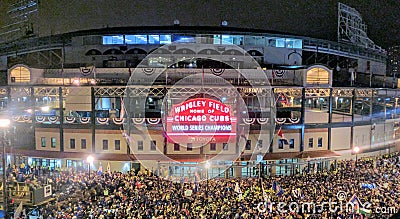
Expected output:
(201, 120)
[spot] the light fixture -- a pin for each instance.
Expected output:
(45, 108)
(4, 123)
(76, 82)
(90, 159)
(207, 165)
(177, 22)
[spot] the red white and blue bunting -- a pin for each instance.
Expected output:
(118, 121)
(138, 121)
(294, 120)
(153, 121)
(262, 121)
(84, 120)
(217, 71)
(280, 120)
(53, 119)
(21, 119)
(40, 119)
(148, 71)
(69, 119)
(85, 71)
(102, 121)
(290, 120)
(248, 121)
(279, 73)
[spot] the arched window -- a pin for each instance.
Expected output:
(20, 74)
(317, 76)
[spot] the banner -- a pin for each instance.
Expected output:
(47, 191)
(201, 120)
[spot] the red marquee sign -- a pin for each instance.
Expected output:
(201, 120)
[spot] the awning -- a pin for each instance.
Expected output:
(301, 155)
(170, 157)
(317, 154)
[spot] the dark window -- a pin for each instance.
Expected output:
(53, 142)
(248, 145)
(213, 146)
(117, 145)
(189, 147)
(320, 142)
(72, 143)
(153, 145)
(140, 145)
(310, 142)
(105, 144)
(225, 146)
(259, 143)
(291, 143)
(83, 143)
(280, 143)
(176, 147)
(43, 141)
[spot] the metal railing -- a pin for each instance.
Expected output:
(342, 49)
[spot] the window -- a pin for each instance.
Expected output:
(83, 143)
(291, 143)
(293, 43)
(109, 40)
(153, 145)
(117, 145)
(53, 142)
(231, 39)
(213, 146)
(310, 142)
(280, 143)
(136, 39)
(248, 145)
(254, 40)
(189, 147)
(140, 145)
(20, 75)
(217, 39)
(72, 143)
(159, 39)
(176, 147)
(280, 42)
(184, 38)
(225, 146)
(320, 142)
(259, 144)
(154, 39)
(105, 144)
(43, 141)
(317, 76)
(165, 39)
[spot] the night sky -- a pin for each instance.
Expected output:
(309, 18)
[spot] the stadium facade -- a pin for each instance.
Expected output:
(115, 93)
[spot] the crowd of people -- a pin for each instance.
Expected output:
(143, 195)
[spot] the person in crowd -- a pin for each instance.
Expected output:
(143, 195)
